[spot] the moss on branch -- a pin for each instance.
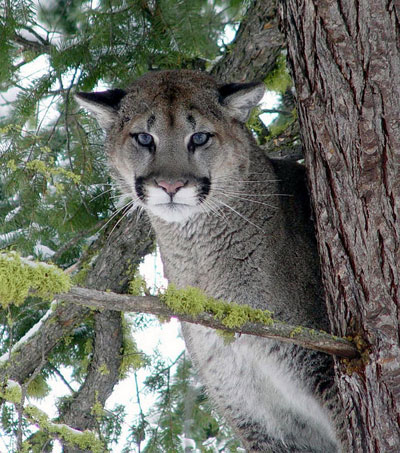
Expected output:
(19, 276)
(12, 392)
(193, 301)
(192, 305)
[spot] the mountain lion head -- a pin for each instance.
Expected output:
(176, 139)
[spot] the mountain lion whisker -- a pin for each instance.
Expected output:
(238, 197)
(196, 170)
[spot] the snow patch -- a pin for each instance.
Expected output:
(31, 332)
(43, 251)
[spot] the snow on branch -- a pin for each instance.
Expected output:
(12, 392)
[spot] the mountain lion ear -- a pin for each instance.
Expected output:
(103, 105)
(241, 98)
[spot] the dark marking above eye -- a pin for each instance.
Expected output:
(171, 119)
(150, 122)
(210, 110)
(192, 121)
(171, 93)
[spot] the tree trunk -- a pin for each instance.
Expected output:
(345, 61)
(120, 253)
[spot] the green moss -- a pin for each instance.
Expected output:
(358, 364)
(137, 286)
(88, 349)
(48, 171)
(80, 277)
(276, 130)
(280, 124)
(193, 301)
(279, 79)
(27, 447)
(131, 356)
(103, 369)
(97, 409)
(228, 337)
(296, 331)
(11, 392)
(38, 387)
(85, 440)
(163, 319)
(11, 164)
(254, 122)
(19, 276)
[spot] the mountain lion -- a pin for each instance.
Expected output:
(237, 225)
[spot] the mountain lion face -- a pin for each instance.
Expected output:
(176, 139)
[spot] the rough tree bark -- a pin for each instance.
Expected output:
(257, 44)
(119, 255)
(345, 61)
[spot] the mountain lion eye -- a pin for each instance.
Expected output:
(144, 139)
(200, 138)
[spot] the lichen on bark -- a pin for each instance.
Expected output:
(19, 276)
(193, 301)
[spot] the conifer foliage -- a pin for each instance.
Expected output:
(56, 198)
(55, 182)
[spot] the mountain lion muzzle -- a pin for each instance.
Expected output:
(237, 225)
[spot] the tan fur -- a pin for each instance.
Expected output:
(238, 227)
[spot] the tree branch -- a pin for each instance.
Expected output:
(26, 357)
(122, 251)
(112, 269)
(308, 338)
(103, 374)
(257, 44)
(12, 392)
(61, 376)
(36, 46)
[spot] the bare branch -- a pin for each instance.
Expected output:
(282, 112)
(36, 46)
(112, 269)
(308, 338)
(63, 379)
(78, 237)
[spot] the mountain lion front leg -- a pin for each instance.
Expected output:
(259, 394)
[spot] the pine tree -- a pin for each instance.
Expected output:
(57, 202)
(55, 182)
(56, 195)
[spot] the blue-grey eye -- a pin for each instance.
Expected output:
(144, 139)
(200, 138)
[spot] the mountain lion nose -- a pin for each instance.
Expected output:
(170, 187)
